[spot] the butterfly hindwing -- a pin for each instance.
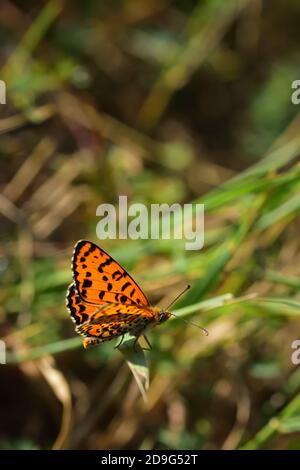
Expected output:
(115, 320)
(106, 321)
(99, 279)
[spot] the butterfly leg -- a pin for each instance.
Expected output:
(148, 343)
(120, 342)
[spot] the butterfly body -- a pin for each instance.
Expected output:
(104, 301)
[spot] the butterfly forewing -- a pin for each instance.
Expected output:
(99, 279)
(80, 312)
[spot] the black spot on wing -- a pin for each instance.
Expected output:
(101, 294)
(132, 292)
(87, 283)
(124, 287)
(117, 275)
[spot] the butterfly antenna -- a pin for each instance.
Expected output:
(191, 323)
(182, 319)
(177, 297)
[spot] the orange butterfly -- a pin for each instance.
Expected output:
(104, 301)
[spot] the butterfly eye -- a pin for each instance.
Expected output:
(163, 316)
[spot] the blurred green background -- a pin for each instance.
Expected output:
(165, 101)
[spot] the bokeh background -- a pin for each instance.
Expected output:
(165, 101)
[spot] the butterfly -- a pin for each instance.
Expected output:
(104, 301)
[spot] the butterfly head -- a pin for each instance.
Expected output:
(162, 316)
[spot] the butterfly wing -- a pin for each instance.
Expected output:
(116, 320)
(80, 312)
(107, 321)
(99, 279)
